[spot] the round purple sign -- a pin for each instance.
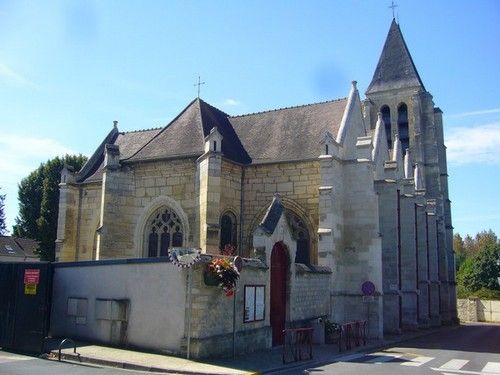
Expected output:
(368, 288)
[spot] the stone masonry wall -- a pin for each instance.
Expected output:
(310, 294)
(230, 187)
(387, 195)
(212, 315)
(478, 310)
(132, 190)
(88, 221)
(231, 193)
(360, 259)
(296, 182)
(67, 223)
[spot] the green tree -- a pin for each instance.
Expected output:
(473, 246)
(39, 203)
(3, 226)
(480, 271)
(459, 249)
(485, 238)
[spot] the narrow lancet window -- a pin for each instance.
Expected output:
(404, 135)
(227, 230)
(386, 118)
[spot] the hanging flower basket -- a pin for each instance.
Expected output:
(224, 272)
(210, 278)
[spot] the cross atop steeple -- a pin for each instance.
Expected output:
(393, 6)
(395, 68)
(199, 84)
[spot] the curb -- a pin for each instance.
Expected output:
(79, 359)
(76, 359)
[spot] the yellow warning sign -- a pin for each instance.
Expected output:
(30, 289)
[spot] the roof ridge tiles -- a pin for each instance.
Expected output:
(141, 130)
(211, 106)
(291, 107)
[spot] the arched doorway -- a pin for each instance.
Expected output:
(279, 267)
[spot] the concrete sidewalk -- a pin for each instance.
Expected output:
(262, 362)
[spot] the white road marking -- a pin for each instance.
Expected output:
(492, 367)
(454, 364)
(383, 357)
(418, 361)
(455, 372)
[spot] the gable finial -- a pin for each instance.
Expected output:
(199, 84)
(393, 6)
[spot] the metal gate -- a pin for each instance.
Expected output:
(25, 291)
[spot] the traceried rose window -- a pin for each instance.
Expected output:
(165, 231)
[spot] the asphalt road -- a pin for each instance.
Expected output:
(17, 364)
(471, 349)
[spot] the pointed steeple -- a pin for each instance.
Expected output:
(395, 68)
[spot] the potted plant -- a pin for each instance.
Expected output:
(332, 332)
(224, 272)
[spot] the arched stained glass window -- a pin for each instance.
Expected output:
(301, 235)
(227, 230)
(404, 135)
(386, 118)
(165, 231)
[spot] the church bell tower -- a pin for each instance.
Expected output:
(408, 113)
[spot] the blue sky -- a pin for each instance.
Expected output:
(69, 68)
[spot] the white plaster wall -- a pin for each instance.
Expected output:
(157, 302)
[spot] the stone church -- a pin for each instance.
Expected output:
(355, 189)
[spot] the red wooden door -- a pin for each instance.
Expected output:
(279, 264)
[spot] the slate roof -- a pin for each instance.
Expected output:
(272, 216)
(185, 135)
(289, 133)
(18, 248)
(129, 143)
(395, 68)
(285, 134)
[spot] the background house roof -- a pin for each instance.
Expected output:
(14, 248)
